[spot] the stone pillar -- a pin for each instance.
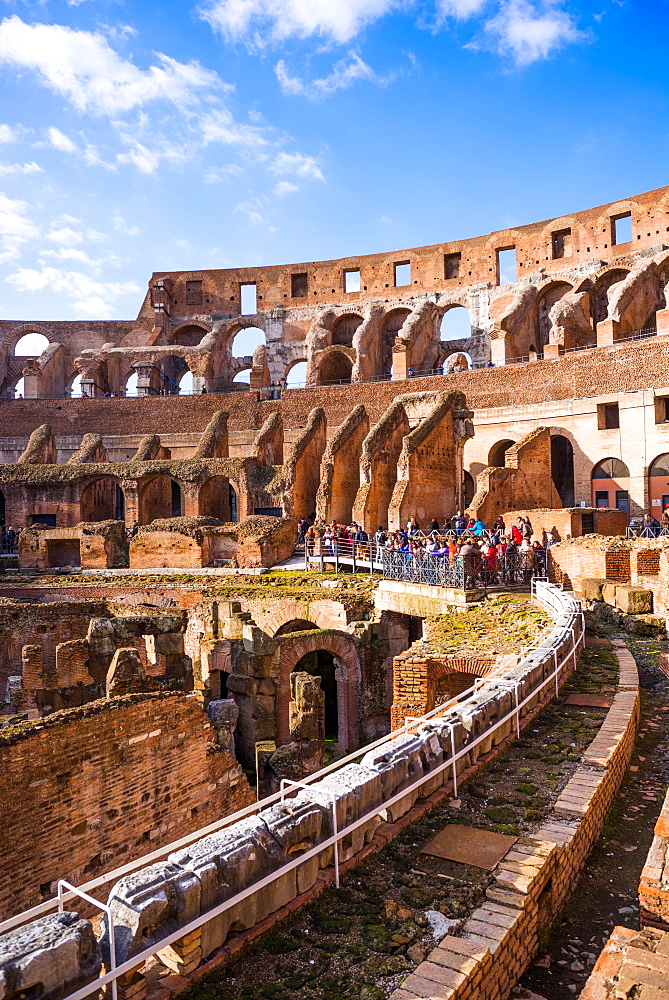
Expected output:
(551, 352)
(223, 715)
(607, 332)
(662, 317)
(401, 359)
(33, 677)
(190, 499)
(306, 708)
(130, 489)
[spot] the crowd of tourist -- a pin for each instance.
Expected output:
(513, 550)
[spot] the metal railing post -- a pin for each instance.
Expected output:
(110, 922)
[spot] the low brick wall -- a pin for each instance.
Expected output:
(631, 964)
(653, 887)
(537, 875)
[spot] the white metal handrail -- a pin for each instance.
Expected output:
(255, 807)
(546, 595)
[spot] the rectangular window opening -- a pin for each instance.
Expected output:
(193, 293)
(506, 266)
(601, 498)
(561, 241)
(623, 500)
(352, 280)
(248, 298)
(621, 229)
(299, 285)
(608, 416)
(402, 274)
(452, 265)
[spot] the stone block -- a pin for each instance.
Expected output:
(47, 956)
(634, 600)
(149, 904)
(609, 592)
(591, 588)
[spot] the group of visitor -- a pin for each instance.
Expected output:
(10, 539)
(512, 552)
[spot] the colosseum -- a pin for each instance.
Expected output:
(275, 662)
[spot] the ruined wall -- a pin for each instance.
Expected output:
(524, 480)
(89, 789)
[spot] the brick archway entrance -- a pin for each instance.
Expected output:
(343, 648)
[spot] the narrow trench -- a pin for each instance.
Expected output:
(606, 894)
(362, 940)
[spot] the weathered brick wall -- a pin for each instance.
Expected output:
(90, 789)
(44, 625)
(605, 370)
(416, 676)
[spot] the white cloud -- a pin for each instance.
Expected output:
(20, 168)
(82, 67)
(16, 228)
(460, 9)
(65, 236)
(257, 21)
(298, 164)
(344, 73)
(216, 174)
(60, 141)
(218, 125)
(527, 33)
(121, 226)
(283, 188)
(253, 210)
(89, 297)
(8, 134)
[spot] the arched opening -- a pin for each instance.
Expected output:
(468, 489)
(321, 663)
(246, 341)
(296, 625)
(344, 328)
(296, 376)
(214, 498)
(610, 484)
(455, 324)
(497, 454)
(562, 468)
(600, 298)
(658, 485)
(2, 507)
(160, 498)
(548, 298)
(335, 369)
(460, 362)
(186, 384)
(31, 345)
(392, 325)
(242, 378)
(172, 370)
(188, 336)
(102, 500)
(75, 389)
(20, 389)
(131, 385)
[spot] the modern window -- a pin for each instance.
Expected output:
(623, 500)
(662, 409)
(402, 274)
(248, 299)
(601, 498)
(608, 416)
(352, 280)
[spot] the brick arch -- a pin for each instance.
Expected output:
(343, 648)
(322, 614)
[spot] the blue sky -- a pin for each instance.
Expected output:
(142, 136)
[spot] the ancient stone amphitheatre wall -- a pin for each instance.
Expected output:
(86, 790)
